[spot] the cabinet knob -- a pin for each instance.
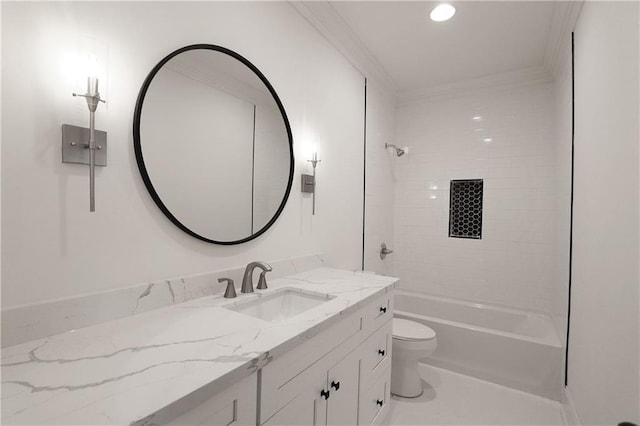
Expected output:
(380, 402)
(324, 394)
(335, 385)
(383, 309)
(382, 352)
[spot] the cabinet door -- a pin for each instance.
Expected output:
(308, 408)
(343, 378)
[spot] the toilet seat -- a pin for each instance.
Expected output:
(410, 330)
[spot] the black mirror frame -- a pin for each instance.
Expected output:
(138, 147)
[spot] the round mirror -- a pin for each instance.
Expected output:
(213, 144)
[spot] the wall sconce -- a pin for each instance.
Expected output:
(309, 181)
(83, 145)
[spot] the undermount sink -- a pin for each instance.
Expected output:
(281, 304)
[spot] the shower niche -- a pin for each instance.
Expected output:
(465, 208)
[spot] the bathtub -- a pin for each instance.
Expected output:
(509, 347)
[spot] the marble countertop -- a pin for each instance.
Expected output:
(125, 371)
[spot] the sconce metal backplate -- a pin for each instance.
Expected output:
(308, 183)
(75, 145)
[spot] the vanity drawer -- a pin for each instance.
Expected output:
(374, 402)
(225, 415)
(236, 405)
(377, 349)
(378, 312)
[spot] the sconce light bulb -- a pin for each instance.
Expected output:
(92, 86)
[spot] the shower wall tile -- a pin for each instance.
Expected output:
(513, 264)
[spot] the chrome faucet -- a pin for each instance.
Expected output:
(247, 279)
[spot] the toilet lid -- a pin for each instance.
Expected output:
(410, 330)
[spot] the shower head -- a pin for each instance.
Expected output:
(399, 152)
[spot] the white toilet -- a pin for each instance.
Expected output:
(411, 341)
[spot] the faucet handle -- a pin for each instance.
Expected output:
(230, 292)
(262, 281)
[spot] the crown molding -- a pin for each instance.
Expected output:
(502, 81)
(328, 22)
(565, 16)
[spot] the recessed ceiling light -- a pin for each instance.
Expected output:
(477, 118)
(442, 12)
(487, 140)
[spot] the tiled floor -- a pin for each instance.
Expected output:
(454, 399)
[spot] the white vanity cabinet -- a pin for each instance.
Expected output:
(339, 377)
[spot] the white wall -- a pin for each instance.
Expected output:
(603, 342)
(512, 263)
(381, 180)
(53, 247)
